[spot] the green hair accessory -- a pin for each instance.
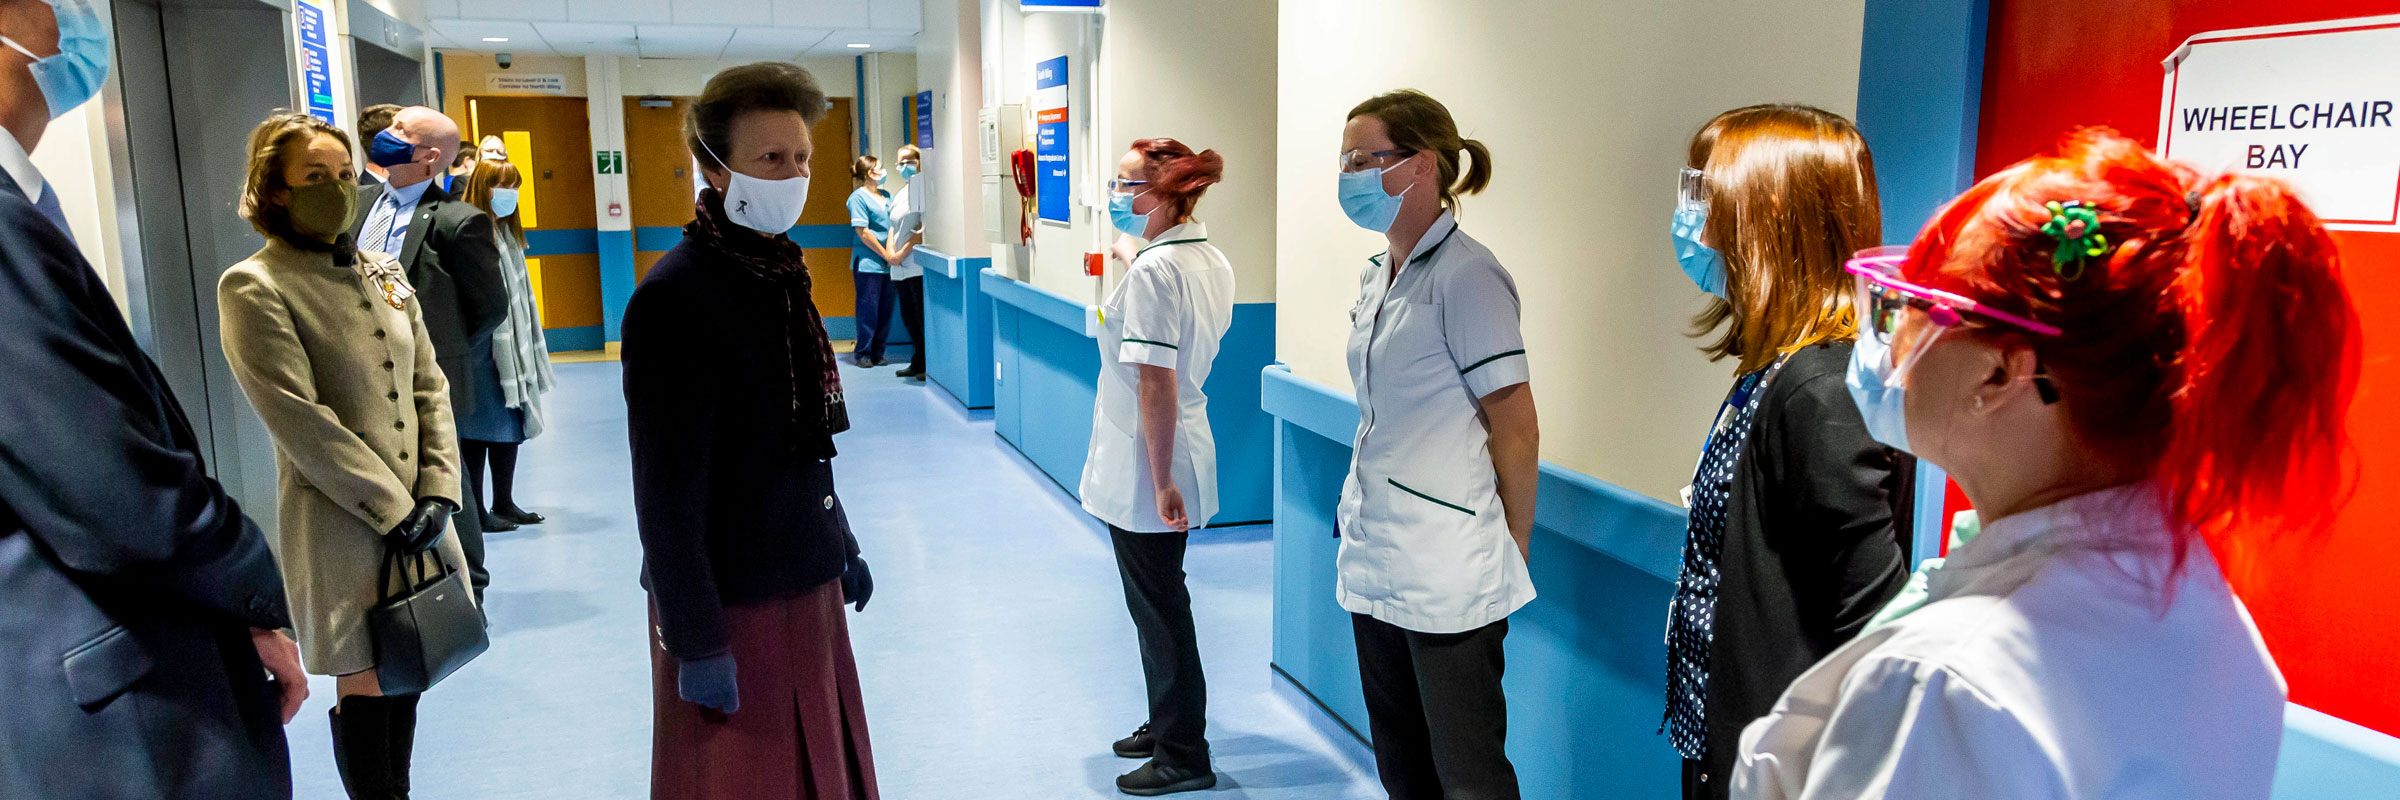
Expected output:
(2076, 226)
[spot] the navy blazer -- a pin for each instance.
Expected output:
(129, 580)
(452, 254)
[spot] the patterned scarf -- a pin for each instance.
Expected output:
(776, 260)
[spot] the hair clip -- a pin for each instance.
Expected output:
(2076, 226)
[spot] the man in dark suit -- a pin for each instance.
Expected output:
(371, 119)
(139, 610)
(452, 254)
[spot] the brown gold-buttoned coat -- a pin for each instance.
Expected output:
(360, 414)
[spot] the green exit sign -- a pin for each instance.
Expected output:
(609, 162)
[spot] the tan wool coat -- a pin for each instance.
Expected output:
(361, 419)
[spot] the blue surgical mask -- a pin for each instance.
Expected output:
(880, 175)
(73, 75)
(1879, 388)
(1120, 214)
(1700, 262)
(908, 172)
(388, 151)
(504, 202)
(1364, 200)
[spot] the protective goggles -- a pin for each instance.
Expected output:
(1883, 297)
(1691, 193)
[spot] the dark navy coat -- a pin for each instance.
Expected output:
(129, 580)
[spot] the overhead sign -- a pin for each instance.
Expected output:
(1059, 5)
(530, 83)
(925, 120)
(1052, 142)
(316, 64)
(2315, 104)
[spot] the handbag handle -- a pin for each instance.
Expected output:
(396, 552)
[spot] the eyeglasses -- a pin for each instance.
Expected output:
(1357, 160)
(1691, 192)
(1122, 185)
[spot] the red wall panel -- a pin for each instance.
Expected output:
(2328, 606)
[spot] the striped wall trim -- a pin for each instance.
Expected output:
(661, 238)
(1147, 341)
(1479, 364)
(1430, 498)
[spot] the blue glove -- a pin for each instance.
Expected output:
(709, 682)
(857, 584)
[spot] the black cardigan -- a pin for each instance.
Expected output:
(1815, 543)
(729, 514)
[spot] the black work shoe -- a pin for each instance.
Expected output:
(908, 372)
(1138, 745)
(1155, 779)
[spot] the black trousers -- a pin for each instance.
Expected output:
(1435, 710)
(1152, 566)
(912, 314)
(468, 523)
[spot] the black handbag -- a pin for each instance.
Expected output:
(428, 629)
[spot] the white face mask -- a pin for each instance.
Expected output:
(769, 207)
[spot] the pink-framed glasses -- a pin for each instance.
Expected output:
(1883, 296)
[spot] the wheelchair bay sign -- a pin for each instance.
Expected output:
(2315, 104)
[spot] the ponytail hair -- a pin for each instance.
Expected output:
(2213, 349)
(1416, 121)
(861, 170)
(1177, 175)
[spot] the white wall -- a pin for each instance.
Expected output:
(949, 63)
(684, 78)
(891, 77)
(1202, 73)
(1587, 108)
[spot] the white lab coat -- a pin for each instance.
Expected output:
(1425, 542)
(1170, 310)
(2059, 656)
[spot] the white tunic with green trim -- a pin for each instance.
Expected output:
(1170, 310)
(1425, 543)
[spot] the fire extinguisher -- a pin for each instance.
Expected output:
(1022, 163)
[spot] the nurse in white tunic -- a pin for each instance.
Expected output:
(2079, 341)
(1152, 471)
(1437, 512)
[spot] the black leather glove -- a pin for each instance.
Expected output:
(423, 526)
(857, 585)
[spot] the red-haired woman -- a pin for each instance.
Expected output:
(2133, 371)
(1151, 475)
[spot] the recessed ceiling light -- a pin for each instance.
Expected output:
(860, 45)
(495, 38)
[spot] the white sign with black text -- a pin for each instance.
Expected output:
(2316, 104)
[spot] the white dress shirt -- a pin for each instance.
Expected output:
(1425, 542)
(2060, 656)
(19, 166)
(1170, 310)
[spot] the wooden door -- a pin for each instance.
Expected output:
(549, 140)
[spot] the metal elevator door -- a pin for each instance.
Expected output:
(197, 75)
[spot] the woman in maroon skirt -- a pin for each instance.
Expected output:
(732, 401)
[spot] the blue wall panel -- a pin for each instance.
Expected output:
(616, 280)
(1586, 663)
(1048, 372)
(568, 340)
(958, 326)
(1920, 96)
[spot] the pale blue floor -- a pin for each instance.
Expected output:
(996, 654)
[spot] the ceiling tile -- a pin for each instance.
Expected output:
(906, 15)
(684, 41)
(633, 11)
(721, 12)
(441, 9)
(773, 42)
(588, 38)
(822, 13)
(513, 9)
(469, 34)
